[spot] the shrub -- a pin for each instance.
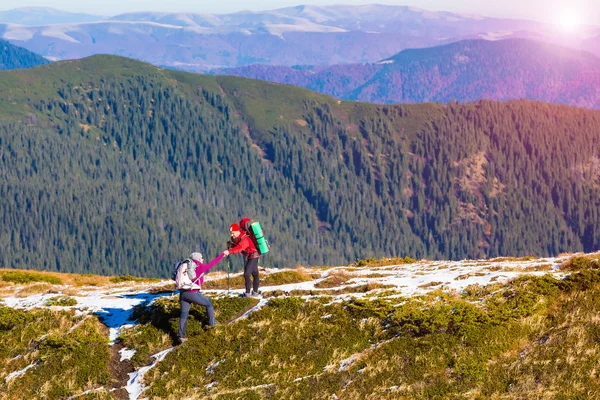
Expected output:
(583, 280)
(372, 262)
(580, 263)
(61, 301)
(22, 277)
(286, 277)
(129, 278)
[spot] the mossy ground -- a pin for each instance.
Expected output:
(69, 354)
(535, 337)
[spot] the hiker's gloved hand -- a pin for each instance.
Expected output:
(226, 253)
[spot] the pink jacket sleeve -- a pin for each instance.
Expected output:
(202, 268)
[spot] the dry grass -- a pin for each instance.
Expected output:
(72, 291)
(530, 268)
(494, 268)
(332, 292)
(35, 288)
(235, 281)
(376, 275)
(430, 284)
(282, 277)
(470, 274)
(385, 262)
(511, 259)
(69, 279)
(334, 279)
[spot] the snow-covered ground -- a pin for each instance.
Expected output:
(112, 305)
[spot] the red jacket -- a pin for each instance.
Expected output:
(246, 246)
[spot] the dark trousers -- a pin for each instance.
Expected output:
(186, 298)
(251, 269)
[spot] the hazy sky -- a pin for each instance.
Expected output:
(582, 11)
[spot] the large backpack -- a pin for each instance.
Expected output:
(184, 276)
(255, 232)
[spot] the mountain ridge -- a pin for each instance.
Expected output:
(464, 71)
(289, 36)
(43, 15)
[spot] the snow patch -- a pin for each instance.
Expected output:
(60, 32)
(257, 307)
(134, 384)
(18, 32)
(16, 374)
(113, 309)
(385, 62)
(498, 35)
(280, 29)
(126, 354)
(345, 364)
(211, 385)
(211, 368)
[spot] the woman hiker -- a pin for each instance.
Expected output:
(189, 296)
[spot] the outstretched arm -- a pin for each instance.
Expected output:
(201, 268)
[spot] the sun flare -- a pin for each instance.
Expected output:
(569, 20)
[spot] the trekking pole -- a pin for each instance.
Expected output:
(228, 272)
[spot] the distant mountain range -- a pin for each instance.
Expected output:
(465, 71)
(289, 36)
(44, 16)
(12, 57)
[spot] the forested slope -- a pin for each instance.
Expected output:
(12, 57)
(114, 166)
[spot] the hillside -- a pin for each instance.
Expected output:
(117, 167)
(380, 329)
(466, 71)
(12, 57)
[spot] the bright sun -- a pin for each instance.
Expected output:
(568, 20)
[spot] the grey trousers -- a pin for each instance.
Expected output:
(186, 298)
(251, 269)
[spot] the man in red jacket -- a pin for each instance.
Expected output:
(242, 243)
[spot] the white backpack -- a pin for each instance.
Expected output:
(182, 279)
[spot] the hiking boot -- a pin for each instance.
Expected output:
(247, 294)
(182, 340)
(256, 294)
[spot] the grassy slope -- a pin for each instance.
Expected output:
(70, 350)
(535, 337)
